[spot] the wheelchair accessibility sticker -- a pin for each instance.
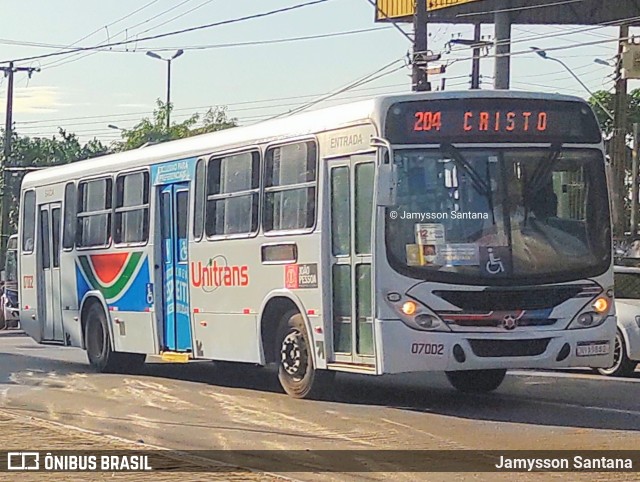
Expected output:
(495, 261)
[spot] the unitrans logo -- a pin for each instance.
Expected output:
(215, 275)
(23, 461)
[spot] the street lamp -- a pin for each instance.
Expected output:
(168, 61)
(543, 54)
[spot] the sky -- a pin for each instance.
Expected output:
(85, 92)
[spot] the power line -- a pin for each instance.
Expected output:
(175, 32)
(176, 17)
(238, 44)
(79, 56)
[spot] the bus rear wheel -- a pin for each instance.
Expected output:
(476, 381)
(101, 356)
(296, 373)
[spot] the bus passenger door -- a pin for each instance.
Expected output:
(351, 212)
(49, 309)
(174, 213)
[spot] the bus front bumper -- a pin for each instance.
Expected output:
(402, 349)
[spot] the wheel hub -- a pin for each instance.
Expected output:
(293, 354)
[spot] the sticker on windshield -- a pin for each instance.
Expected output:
(423, 255)
(430, 233)
(495, 261)
(429, 238)
(461, 254)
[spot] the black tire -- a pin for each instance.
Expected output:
(622, 366)
(296, 373)
(476, 381)
(101, 356)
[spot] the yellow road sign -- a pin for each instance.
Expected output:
(397, 9)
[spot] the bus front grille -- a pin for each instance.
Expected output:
(509, 348)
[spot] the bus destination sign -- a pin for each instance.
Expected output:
(491, 120)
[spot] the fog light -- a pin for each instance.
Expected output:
(586, 319)
(425, 321)
(564, 352)
(409, 307)
(458, 354)
(601, 305)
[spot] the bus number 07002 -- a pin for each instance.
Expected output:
(427, 348)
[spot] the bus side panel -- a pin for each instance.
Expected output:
(229, 283)
(225, 297)
(123, 277)
(28, 291)
(69, 300)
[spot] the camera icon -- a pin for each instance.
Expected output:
(23, 461)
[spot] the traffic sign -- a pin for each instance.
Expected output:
(404, 9)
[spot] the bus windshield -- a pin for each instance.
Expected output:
(476, 215)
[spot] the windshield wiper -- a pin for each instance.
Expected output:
(478, 183)
(543, 170)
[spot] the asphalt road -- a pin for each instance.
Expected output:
(205, 406)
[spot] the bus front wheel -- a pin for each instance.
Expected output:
(99, 351)
(622, 365)
(296, 373)
(476, 381)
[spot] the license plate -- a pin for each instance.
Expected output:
(592, 348)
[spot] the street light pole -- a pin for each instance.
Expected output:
(168, 61)
(543, 54)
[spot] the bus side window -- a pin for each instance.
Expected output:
(93, 227)
(28, 221)
(290, 187)
(68, 234)
(233, 184)
(131, 220)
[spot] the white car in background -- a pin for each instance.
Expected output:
(627, 345)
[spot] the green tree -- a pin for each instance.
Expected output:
(39, 152)
(155, 130)
(607, 99)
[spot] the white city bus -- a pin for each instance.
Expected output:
(462, 232)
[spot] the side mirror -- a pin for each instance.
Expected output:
(386, 175)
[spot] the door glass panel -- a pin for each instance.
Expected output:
(363, 310)
(182, 221)
(364, 206)
(342, 308)
(55, 231)
(44, 238)
(340, 211)
(165, 207)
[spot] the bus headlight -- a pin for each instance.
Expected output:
(414, 314)
(594, 317)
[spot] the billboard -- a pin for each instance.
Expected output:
(404, 9)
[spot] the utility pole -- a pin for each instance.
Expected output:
(420, 81)
(502, 22)
(6, 164)
(618, 142)
(475, 66)
(634, 183)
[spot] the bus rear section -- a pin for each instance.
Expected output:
(495, 249)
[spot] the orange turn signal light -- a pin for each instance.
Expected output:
(409, 307)
(601, 305)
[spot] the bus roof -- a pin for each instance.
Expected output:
(292, 126)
